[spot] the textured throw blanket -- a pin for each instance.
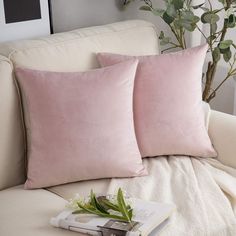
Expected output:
(203, 190)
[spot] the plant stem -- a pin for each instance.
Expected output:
(211, 69)
(168, 49)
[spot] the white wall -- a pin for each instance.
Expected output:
(72, 14)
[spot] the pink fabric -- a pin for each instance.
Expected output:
(168, 113)
(80, 125)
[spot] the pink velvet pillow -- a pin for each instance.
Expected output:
(168, 112)
(80, 125)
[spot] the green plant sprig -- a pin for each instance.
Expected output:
(180, 17)
(103, 207)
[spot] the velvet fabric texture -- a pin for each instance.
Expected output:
(168, 112)
(80, 124)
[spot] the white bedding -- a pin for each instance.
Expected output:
(203, 190)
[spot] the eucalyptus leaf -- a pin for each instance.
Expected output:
(145, 8)
(227, 56)
(231, 21)
(188, 21)
(216, 54)
(162, 35)
(171, 10)
(225, 50)
(222, 1)
(198, 6)
(178, 4)
(205, 9)
(189, 16)
(177, 24)
(158, 12)
(168, 19)
(189, 27)
(225, 44)
(164, 41)
(209, 17)
(210, 38)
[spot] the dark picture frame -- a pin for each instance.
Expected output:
(21, 19)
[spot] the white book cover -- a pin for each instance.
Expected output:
(149, 219)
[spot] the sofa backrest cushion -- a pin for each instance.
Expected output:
(11, 135)
(66, 52)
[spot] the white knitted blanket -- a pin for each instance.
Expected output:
(203, 190)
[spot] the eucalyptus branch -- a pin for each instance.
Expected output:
(180, 17)
(231, 72)
(202, 32)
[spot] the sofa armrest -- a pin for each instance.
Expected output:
(222, 131)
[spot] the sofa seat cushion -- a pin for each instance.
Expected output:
(27, 212)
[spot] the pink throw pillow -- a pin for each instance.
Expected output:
(168, 112)
(80, 124)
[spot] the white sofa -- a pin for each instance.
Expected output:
(27, 212)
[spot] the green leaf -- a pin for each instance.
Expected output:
(205, 9)
(126, 2)
(158, 12)
(189, 27)
(130, 213)
(225, 44)
(171, 10)
(162, 35)
(178, 4)
(189, 16)
(164, 41)
(122, 205)
(227, 56)
(96, 212)
(209, 17)
(100, 206)
(225, 50)
(213, 28)
(177, 24)
(95, 203)
(110, 205)
(211, 38)
(198, 6)
(230, 22)
(222, 1)
(168, 19)
(216, 54)
(145, 8)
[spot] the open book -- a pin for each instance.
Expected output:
(149, 219)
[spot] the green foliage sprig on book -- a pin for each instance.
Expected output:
(115, 208)
(180, 16)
